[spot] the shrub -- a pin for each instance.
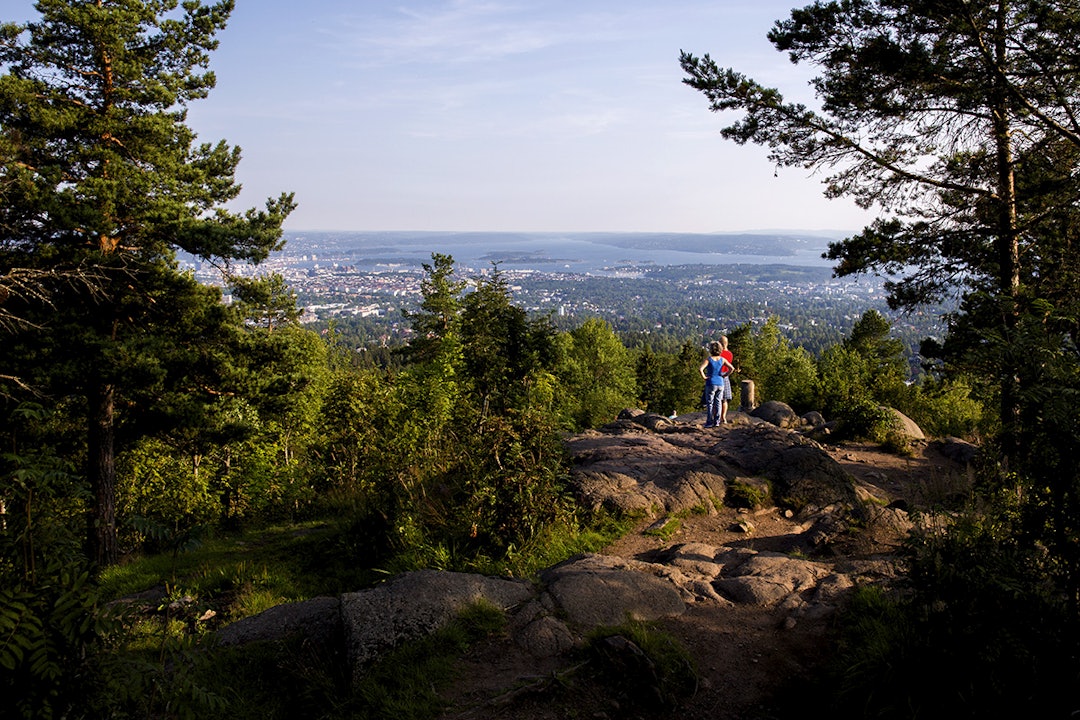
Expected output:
(945, 408)
(50, 632)
(982, 633)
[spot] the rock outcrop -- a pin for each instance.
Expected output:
(652, 466)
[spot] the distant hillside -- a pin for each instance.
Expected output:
(777, 245)
(577, 252)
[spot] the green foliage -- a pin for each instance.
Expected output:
(982, 634)
(861, 378)
(779, 370)
(668, 383)
(557, 541)
(50, 632)
(266, 300)
(404, 684)
(597, 375)
(746, 495)
(298, 677)
(43, 501)
(172, 488)
(886, 368)
(870, 673)
(664, 529)
(104, 183)
(947, 407)
(171, 679)
(290, 562)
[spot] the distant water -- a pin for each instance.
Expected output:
(596, 253)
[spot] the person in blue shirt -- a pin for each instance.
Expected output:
(714, 371)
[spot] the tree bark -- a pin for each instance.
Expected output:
(1007, 241)
(101, 473)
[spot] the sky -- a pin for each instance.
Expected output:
(501, 115)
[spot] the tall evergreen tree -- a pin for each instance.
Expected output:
(98, 169)
(957, 119)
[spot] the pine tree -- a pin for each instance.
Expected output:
(100, 174)
(957, 119)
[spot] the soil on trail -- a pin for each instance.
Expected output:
(752, 663)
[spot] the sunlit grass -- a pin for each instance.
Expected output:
(241, 573)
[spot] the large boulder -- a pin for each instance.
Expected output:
(599, 590)
(769, 578)
(906, 426)
(957, 450)
(802, 474)
(415, 604)
(777, 413)
(637, 471)
(318, 620)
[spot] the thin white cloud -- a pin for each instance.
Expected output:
(461, 31)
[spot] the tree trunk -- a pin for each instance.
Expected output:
(101, 473)
(1008, 246)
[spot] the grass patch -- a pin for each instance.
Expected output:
(642, 665)
(550, 546)
(405, 683)
(242, 574)
(664, 528)
(751, 494)
(158, 665)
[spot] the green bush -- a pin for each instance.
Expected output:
(748, 495)
(300, 678)
(780, 371)
(864, 419)
(50, 634)
(944, 408)
(980, 633)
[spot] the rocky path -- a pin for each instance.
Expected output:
(755, 659)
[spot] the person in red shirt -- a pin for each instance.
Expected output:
(726, 374)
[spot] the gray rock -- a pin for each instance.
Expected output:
(758, 591)
(641, 462)
(597, 590)
(634, 470)
(906, 426)
(545, 636)
(768, 579)
(694, 559)
(317, 619)
(803, 475)
(649, 420)
(957, 450)
(415, 604)
(776, 413)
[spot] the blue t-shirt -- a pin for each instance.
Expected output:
(716, 371)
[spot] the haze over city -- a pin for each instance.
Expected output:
(501, 115)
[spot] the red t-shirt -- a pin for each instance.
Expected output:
(726, 354)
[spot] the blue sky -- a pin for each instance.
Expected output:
(501, 115)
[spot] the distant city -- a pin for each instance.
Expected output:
(651, 283)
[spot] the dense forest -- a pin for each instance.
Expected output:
(142, 418)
